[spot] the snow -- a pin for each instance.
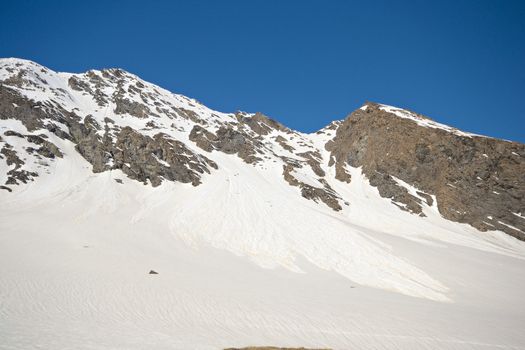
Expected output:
(307, 176)
(402, 113)
(243, 259)
(510, 226)
(519, 215)
(163, 162)
(317, 278)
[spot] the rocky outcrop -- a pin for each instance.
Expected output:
(313, 159)
(476, 180)
(16, 175)
(33, 115)
(139, 156)
(105, 145)
(284, 143)
(260, 124)
(227, 140)
(14, 105)
(324, 194)
(156, 158)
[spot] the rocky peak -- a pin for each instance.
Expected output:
(474, 179)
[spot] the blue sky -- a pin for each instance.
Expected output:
(304, 63)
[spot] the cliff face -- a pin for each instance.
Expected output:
(474, 179)
(117, 121)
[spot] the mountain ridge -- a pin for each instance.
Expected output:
(161, 136)
(15, 60)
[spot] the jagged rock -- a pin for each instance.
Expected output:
(202, 138)
(313, 159)
(90, 144)
(77, 84)
(261, 124)
(472, 177)
(144, 158)
(227, 140)
(388, 188)
(325, 194)
(282, 141)
(191, 115)
(13, 105)
(126, 106)
(46, 149)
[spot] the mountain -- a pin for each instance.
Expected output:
(385, 229)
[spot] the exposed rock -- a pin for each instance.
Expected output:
(126, 106)
(325, 194)
(388, 188)
(6, 188)
(79, 85)
(473, 178)
(11, 156)
(313, 159)
(13, 133)
(261, 124)
(90, 144)
(15, 106)
(144, 158)
(282, 142)
(428, 199)
(234, 142)
(341, 174)
(191, 115)
(227, 140)
(17, 174)
(202, 138)
(46, 149)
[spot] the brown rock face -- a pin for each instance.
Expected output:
(476, 180)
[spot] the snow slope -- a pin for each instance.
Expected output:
(242, 259)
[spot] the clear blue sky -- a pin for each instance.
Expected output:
(303, 63)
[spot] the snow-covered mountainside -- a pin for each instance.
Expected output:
(384, 230)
